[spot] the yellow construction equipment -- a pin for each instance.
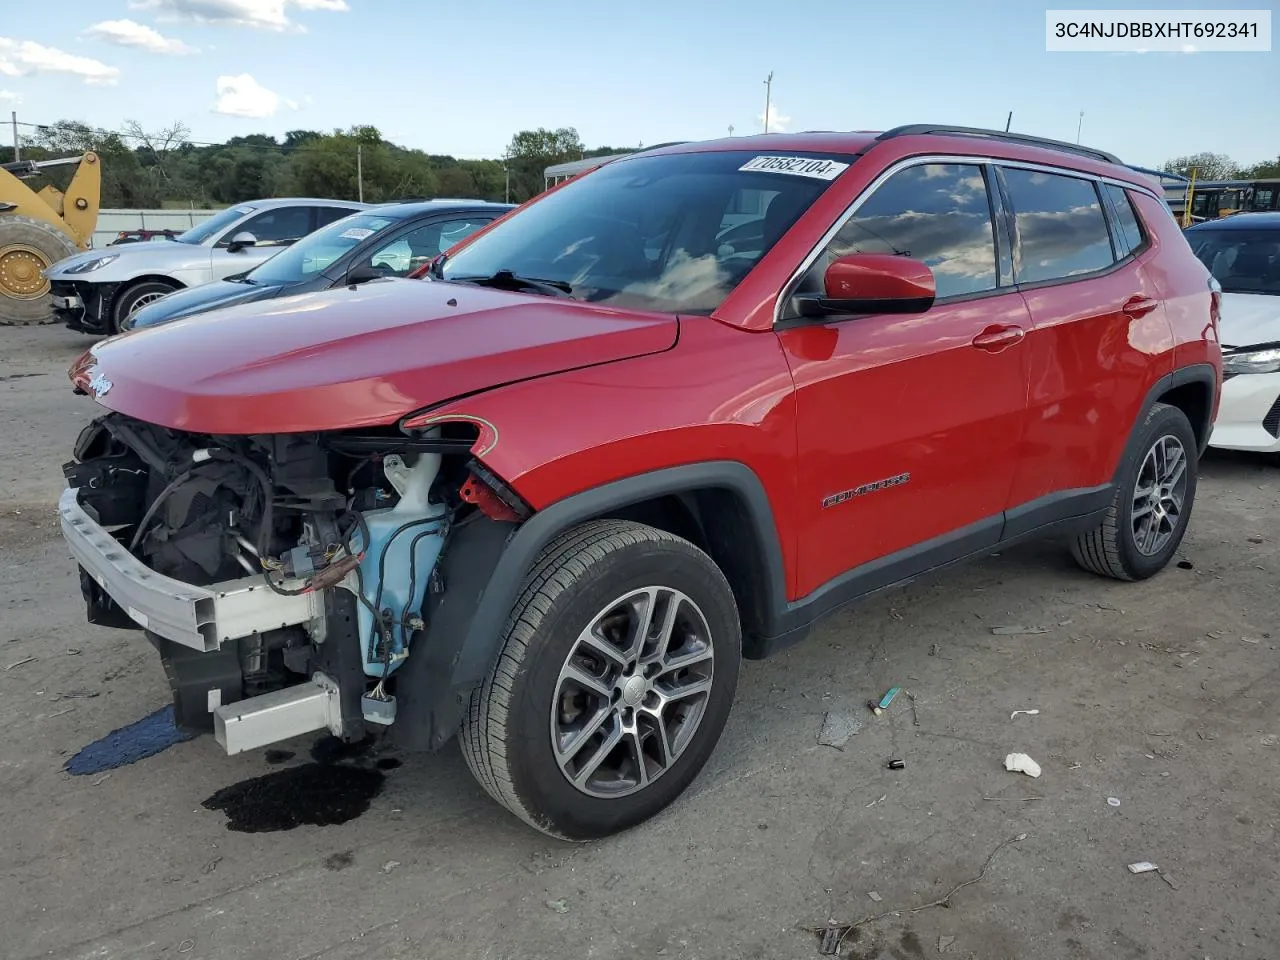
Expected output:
(37, 229)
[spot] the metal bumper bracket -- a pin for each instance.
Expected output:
(279, 715)
(202, 618)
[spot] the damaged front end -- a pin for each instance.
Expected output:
(284, 579)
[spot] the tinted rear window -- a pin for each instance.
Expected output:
(1061, 229)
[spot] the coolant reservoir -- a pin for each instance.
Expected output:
(404, 545)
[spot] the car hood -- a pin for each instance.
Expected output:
(206, 296)
(1249, 318)
(158, 252)
(347, 357)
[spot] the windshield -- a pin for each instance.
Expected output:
(1242, 261)
(313, 253)
(219, 221)
(672, 233)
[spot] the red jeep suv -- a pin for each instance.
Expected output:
(664, 416)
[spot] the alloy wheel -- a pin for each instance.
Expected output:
(632, 692)
(1159, 493)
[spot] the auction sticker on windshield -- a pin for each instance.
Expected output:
(797, 166)
(356, 233)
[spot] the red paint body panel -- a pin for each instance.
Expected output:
(1183, 285)
(721, 394)
(987, 403)
(1091, 368)
(880, 396)
(349, 358)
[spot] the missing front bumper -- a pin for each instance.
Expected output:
(202, 618)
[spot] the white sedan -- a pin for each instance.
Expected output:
(98, 290)
(1243, 253)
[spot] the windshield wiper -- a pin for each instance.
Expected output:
(506, 280)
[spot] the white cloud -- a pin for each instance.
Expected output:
(777, 122)
(263, 14)
(243, 96)
(20, 59)
(8, 96)
(126, 33)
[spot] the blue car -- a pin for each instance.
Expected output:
(384, 241)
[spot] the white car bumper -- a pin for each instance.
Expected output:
(1249, 414)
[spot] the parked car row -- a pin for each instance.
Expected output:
(540, 479)
(97, 291)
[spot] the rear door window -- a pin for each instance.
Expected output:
(1060, 228)
(327, 215)
(276, 227)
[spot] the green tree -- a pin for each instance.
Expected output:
(1208, 166)
(1259, 171)
(532, 151)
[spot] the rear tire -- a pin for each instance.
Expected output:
(1155, 492)
(133, 298)
(553, 702)
(28, 247)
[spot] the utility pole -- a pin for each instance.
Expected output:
(359, 173)
(506, 166)
(768, 91)
(1079, 126)
(17, 147)
(1008, 122)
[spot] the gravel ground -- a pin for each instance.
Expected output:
(1160, 695)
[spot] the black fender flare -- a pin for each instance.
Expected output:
(483, 570)
(1199, 373)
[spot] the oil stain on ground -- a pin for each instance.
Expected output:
(336, 787)
(312, 794)
(140, 739)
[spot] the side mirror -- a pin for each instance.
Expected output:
(872, 283)
(241, 240)
(361, 273)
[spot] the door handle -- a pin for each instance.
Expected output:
(997, 338)
(1139, 306)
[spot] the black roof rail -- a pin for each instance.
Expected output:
(659, 146)
(915, 129)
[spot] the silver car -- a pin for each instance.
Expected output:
(96, 291)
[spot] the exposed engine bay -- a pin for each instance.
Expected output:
(287, 571)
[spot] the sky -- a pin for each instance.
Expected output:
(462, 78)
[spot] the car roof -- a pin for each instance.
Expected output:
(923, 138)
(1254, 220)
(419, 208)
(268, 203)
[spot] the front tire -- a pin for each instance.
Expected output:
(615, 679)
(1154, 495)
(134, 298)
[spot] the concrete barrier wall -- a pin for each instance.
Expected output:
(111, 222)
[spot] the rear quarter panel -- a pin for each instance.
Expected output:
(1183, 282)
